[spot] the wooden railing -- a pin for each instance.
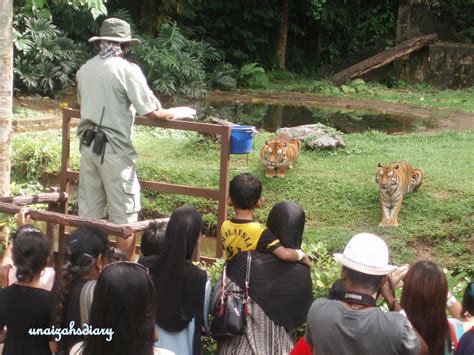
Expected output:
(124, 231)
(57, 221)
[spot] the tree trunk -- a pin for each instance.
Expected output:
(6, 92)
(280, 52)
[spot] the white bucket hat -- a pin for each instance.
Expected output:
(366, 253)
(115, 30)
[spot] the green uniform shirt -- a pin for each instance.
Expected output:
(121, 88)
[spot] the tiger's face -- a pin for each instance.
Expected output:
(274, 155)
(386, 177)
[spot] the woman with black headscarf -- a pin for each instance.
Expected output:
(180, 285)
(280, 292)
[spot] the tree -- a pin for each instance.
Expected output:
(96, 7)
(6, 92)
(280, 52)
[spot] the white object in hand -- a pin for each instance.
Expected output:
(183, 112)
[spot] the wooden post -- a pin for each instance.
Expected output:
(51, 228)
(223, 188)
(64, 186)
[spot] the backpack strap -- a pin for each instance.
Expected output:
(85, 300)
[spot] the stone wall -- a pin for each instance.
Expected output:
(451, 64)
(444, 64)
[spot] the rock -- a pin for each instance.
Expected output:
(317, 136)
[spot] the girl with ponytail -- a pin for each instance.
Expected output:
(7, 269)
(84, 259)
(25, 305)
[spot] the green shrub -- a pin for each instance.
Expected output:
(253, 76)
(174, 64)
(45, 59)
(223, 77)
(36, 155)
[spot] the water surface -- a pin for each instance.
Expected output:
(272, 117)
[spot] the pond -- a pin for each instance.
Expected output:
(271, 117)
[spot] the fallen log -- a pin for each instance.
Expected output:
(383, 58)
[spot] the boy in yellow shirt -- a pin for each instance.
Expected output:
(242, 233)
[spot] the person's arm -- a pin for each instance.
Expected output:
(21, 218)
(387, 293)
(292, 255)
(161, 114)
(454, 307)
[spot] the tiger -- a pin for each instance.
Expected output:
(279, 154)
(395, 181)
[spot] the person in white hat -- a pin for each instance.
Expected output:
(355, 325)
(110, 92)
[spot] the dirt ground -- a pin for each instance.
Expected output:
(445, 119)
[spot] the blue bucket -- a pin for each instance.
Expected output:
(241, 139)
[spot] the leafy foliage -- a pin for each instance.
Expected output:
(459, 14)
(223, 77)
(319, 30)
(176, 65)
(253, 76)
(325, 270)
(41, 8)
(45, 59)
(244, 30)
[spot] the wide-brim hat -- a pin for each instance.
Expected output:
(115, 30)
(366, 253)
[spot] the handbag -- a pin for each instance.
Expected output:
(230, 320)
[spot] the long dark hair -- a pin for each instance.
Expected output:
(124, 302)
(180, 285)
(85, 245)
(30, 254)
(424, 299)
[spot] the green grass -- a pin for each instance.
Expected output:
(335, 188)
(420, 94)
(20, 112)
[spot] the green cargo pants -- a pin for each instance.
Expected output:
(108, 189)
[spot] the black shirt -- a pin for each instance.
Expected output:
(23, 308)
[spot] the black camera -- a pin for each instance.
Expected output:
(87, 137)
(99, 142)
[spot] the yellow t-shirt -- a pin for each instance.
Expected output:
(241, 235)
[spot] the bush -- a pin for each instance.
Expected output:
(253, 76)
(37, 155)
(175, 65)
(45, 59)
(223, 77)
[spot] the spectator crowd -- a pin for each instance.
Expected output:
(164, 303)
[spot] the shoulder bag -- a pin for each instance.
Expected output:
(230, 320)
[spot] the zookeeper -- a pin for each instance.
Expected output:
(110, 91)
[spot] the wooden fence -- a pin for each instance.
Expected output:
(56, 216)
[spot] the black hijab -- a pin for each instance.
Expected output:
(179, 284)
(282, 289)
